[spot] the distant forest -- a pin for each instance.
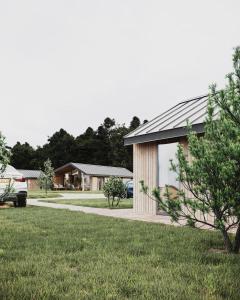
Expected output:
(103, 146)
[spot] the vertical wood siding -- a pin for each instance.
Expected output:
(145, 167)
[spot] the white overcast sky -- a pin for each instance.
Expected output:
(69, 64)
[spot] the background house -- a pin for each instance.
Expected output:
(31, 177)
(87, 177)
(155, 143)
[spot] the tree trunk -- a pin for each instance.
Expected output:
(227, 241)
(117, 202)
(237, 240)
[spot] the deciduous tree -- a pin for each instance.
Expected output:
(46, 176)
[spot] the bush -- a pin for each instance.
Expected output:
(114, 190)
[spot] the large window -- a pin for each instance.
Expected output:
(166, 152)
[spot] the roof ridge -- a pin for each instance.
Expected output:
(194, 99)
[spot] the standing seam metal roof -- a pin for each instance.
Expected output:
(172, 123)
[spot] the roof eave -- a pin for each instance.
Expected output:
(163, 135)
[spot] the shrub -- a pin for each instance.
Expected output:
(114, 190)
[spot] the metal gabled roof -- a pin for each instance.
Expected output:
(172, 123)
(98, 170)
(30, 173)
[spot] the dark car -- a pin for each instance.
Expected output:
(129, 187)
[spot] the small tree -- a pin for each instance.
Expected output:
(114, 190)
(5, 154)
(46, 176)
(213, 175)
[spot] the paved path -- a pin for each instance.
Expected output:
(115, 213)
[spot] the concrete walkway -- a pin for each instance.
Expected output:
(115, 213)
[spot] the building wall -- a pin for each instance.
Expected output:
(94, 185)
(59, 179)
(145, 167)
(32, 184)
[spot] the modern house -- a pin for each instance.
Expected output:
(87, 177)
(32, 178)
(155, 143)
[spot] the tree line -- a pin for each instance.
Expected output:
(104, 146)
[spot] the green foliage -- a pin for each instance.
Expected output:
(46, 176)
(114, 190)
(103, 146)
(98, 203)
(212, 176)
(23, 156)
(5, 154)
(135, 123)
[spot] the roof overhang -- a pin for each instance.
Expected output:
(69, 167)
(160, 136)
(66, 168)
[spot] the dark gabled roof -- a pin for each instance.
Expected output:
(30, 173)
(97, 170)
(172, 123)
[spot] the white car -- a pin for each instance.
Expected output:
(13, 187)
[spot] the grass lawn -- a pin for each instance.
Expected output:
(42, 194)
(55, 194)
(58, 254)
(80, 192)
(100, 203)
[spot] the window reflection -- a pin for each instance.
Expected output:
(167, 152)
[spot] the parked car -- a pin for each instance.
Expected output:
(13, 187)
(129, 187)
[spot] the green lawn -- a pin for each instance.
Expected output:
(100, 203)
(55, 194)
(42, 194)
(80, 192)
(57, 254)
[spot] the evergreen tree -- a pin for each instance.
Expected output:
(22, 156)
(86, 144)
(135, 123)
(103, 146)
(103, 151)
(61, 148)
(120, 156)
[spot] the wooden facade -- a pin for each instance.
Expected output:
(145, 167)
(76, 176)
